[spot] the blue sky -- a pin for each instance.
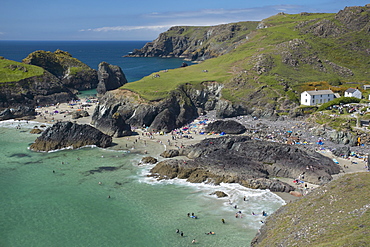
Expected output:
(138, 20)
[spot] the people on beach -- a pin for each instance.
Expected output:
(193, 241)
(223, 221)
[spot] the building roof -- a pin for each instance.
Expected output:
(319, 92)
(351, 90)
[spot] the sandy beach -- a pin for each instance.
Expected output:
(153, 144)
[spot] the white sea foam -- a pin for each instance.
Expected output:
(239, 198)
(11, 123)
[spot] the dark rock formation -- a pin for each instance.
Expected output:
(110, 77)
(79, 114)
(36, 131)
(219, 194)
(149, 160)
(71, 72)
(228, 127)
(170, 153)
(68, 134)
(178, 109)
(20, 98)
(108, 120)
(249, 162)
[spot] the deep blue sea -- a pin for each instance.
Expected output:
(94, 52)
(60, 199)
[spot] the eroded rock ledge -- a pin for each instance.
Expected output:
(251, 163)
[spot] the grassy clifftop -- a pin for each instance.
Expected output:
(336, 214)
(11, 71)
(286, 55)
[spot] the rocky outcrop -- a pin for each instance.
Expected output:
(67, 134)
(108, 119)
(170, 153)
(251, 163)
(338, 137)
(196, 43)
(149, 160)
(19, 98)
(71, 72)
(53, 78)
(110, 77)
(181, 107)
(228, 127)
(79, 114)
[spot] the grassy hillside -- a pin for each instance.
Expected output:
(13, 71)
(336, 214)
(278, 62)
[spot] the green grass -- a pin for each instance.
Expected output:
(11, 71)
(239, 86)
(332, 215)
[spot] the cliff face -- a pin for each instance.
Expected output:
(110, 77)
(196, 43)
(260, 72)
(181, 107)
(19, 98)
(71, 72)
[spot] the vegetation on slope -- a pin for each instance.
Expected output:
(336, 214)
(11, 71)
(277, 62)
(57, 63)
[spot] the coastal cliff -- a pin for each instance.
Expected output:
(71, 72)
(46, 78)
(197, 43)
(261, 74)
(254, 164)
(27, 86)
(179, 108)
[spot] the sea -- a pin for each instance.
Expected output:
(102, 196)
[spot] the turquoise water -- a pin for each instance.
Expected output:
(68, 207)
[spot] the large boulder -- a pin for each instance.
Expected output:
(67, 134)
(110, 77)
(228, 127)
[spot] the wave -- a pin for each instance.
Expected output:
(250, 202)
(11, 123)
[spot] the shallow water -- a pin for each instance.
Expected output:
(55, 199)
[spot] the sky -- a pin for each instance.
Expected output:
(140, 19)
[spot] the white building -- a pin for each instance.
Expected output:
(316, 97)
(353, 92)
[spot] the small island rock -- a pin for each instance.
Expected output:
(68, 134)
